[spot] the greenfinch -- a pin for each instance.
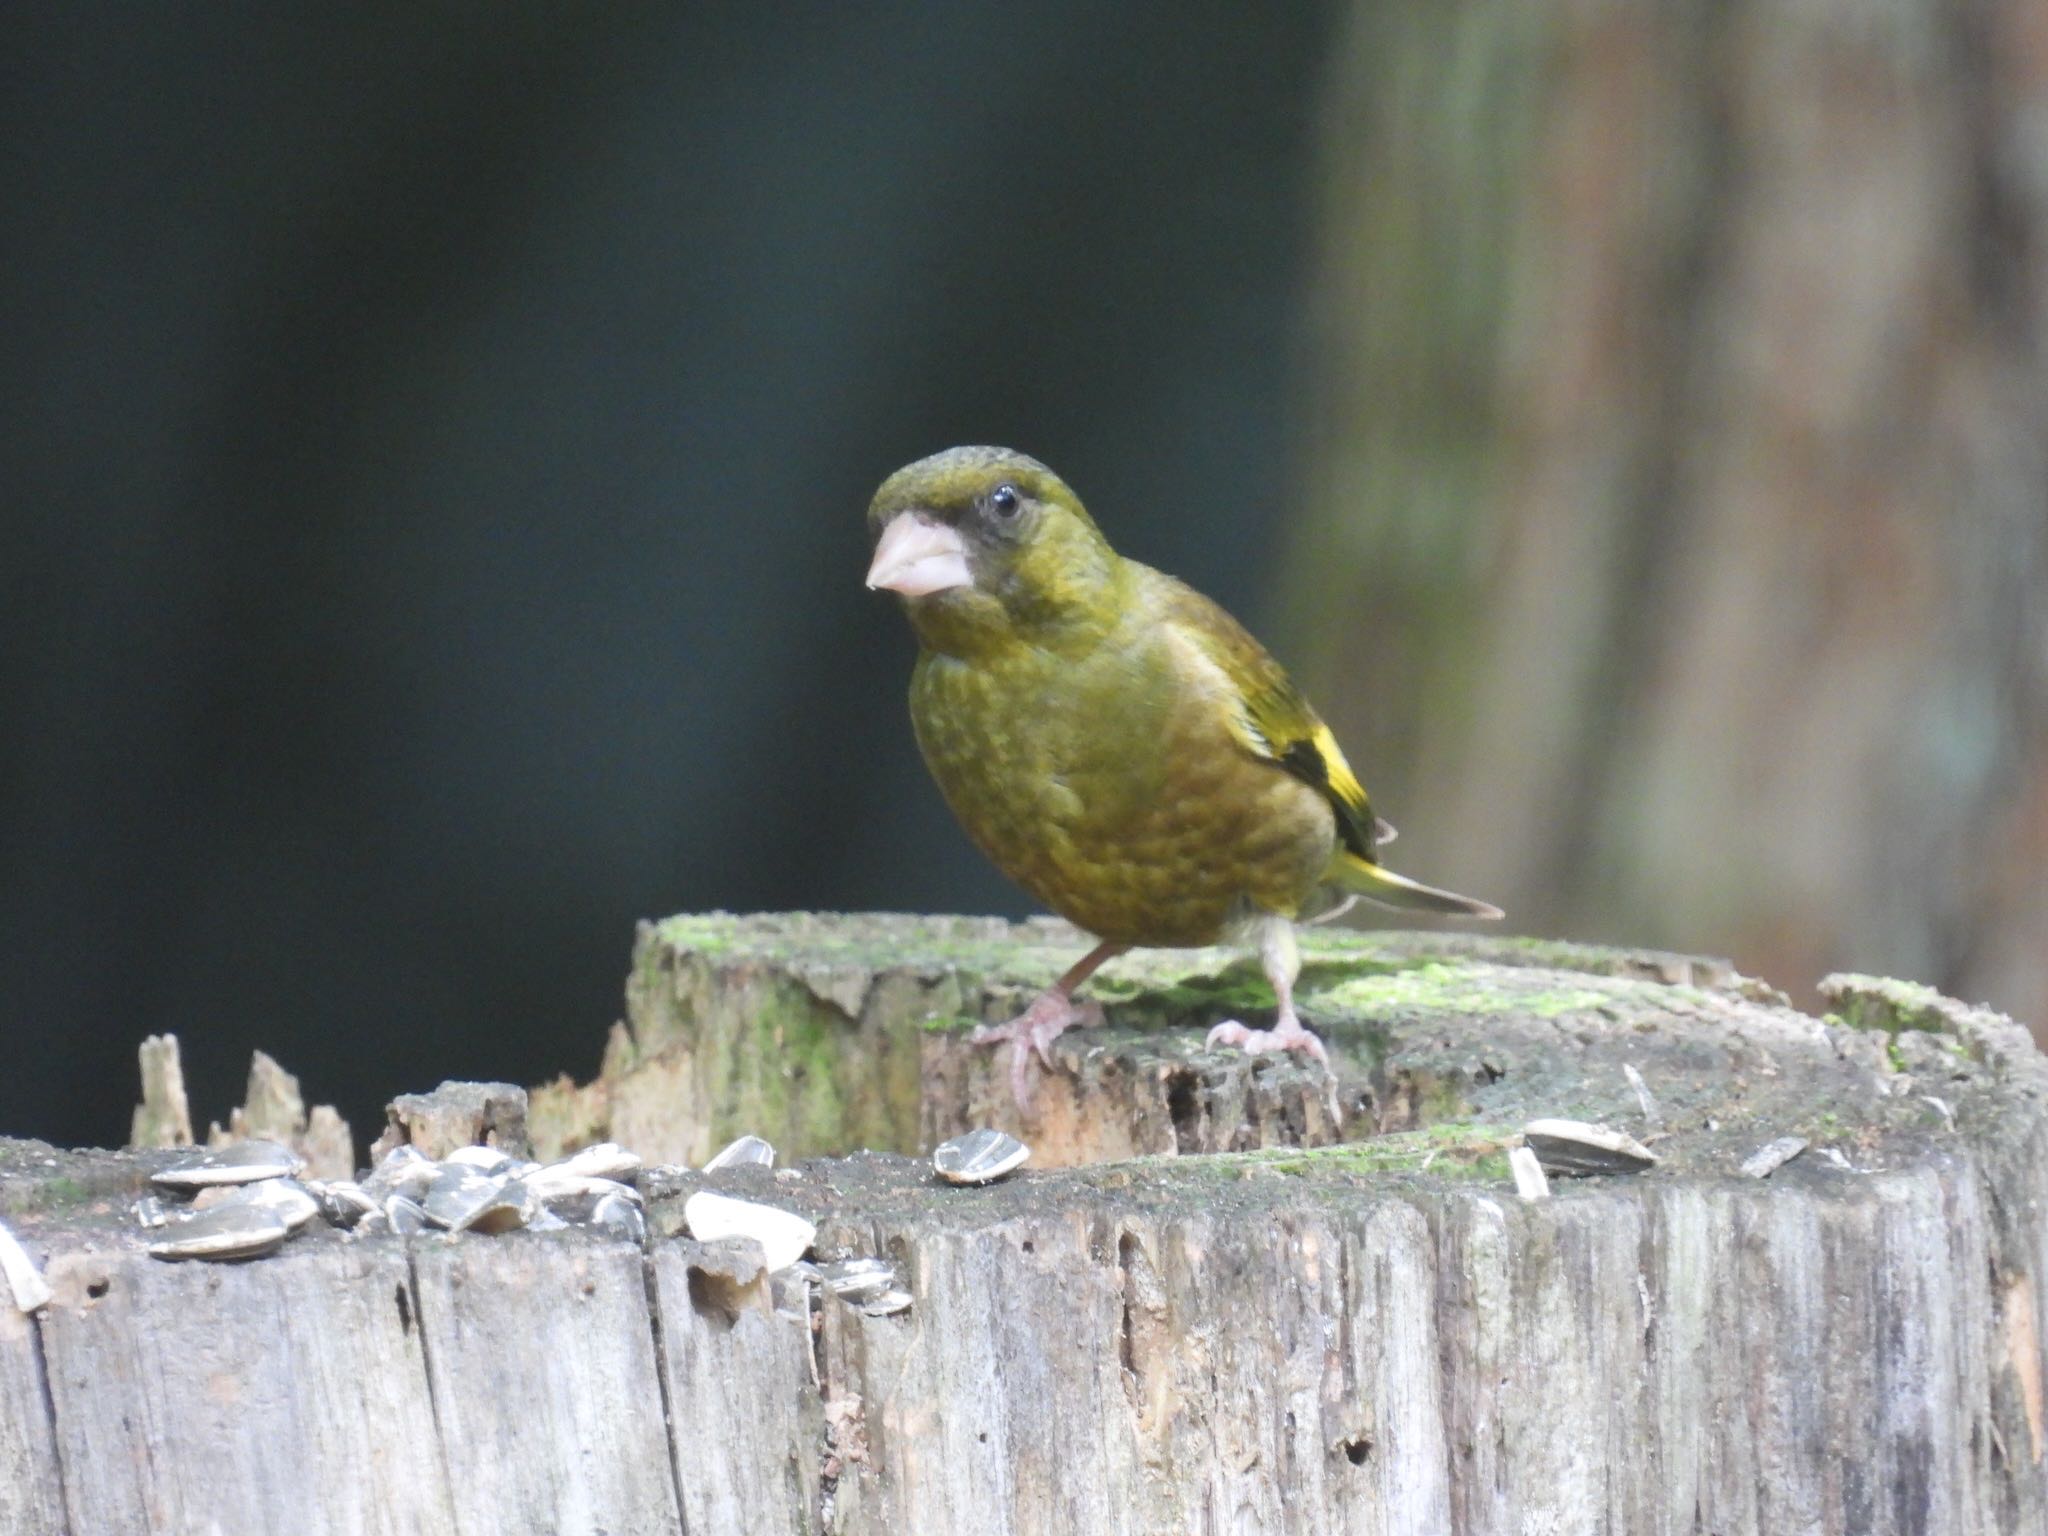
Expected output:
(1116, 743)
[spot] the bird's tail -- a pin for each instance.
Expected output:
(1387, 889)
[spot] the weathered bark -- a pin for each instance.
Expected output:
(1675, 532)
(290, 1394)
(31, 1492)
(546, 1396)
(1372, 1336)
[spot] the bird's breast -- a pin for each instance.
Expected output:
(1114, 792)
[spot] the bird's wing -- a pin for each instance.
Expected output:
(1269, 716)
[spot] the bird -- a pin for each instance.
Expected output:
(1117, 744)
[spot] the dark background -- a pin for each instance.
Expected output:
(434, 447)
(434, 443)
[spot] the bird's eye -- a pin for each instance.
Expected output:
(1005, 500)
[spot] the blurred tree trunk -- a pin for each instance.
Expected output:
(1676, 548)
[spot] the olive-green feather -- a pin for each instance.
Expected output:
(1275, 722)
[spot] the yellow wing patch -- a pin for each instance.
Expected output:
(1343, 782)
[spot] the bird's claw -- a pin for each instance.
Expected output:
(1032, 1032)
(1286, 1035)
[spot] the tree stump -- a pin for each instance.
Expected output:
(826, 1034)
(1287, 1303)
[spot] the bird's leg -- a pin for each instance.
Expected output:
(1282, 961)
(1050, 1015)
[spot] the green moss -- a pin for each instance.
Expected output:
(1885, 1003)
(50, 1195)
(1547, 954)
(1364, 987)
(1024, 951)
(1491, 1169)
(708, 933)
(1440, 987)
(62, 1193)
(1343, 971)
(1882, 1004)
(789, 1062)
(776, 1060)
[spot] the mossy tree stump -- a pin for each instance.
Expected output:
(827, 1034)
(1352, 1324)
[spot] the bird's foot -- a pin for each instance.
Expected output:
(1285, 1035)
(1050, 1015)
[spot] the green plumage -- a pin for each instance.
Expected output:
(1107, 779)
(1114, 741)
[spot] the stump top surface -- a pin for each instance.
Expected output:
(1465, 1036)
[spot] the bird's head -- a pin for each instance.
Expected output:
(986, 544)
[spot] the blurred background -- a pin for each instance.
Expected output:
(433, 444)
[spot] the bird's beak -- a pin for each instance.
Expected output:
(916, 556)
